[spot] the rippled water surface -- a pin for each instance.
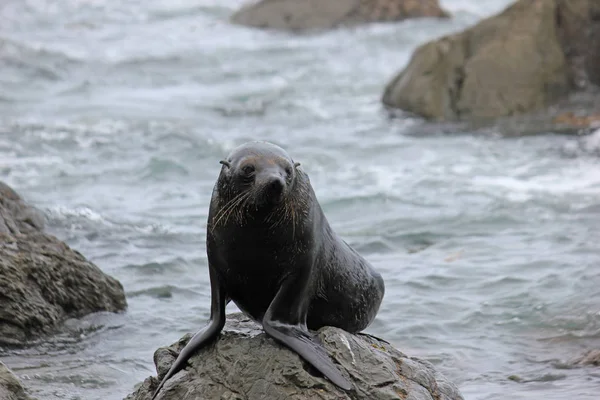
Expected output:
(114, 115)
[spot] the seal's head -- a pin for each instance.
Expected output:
(263, 173)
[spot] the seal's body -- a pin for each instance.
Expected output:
(273, 253)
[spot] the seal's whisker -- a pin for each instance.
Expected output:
(293, 222)
(270, 217)
(279, 212)
(222, 210)
(228, 207)
(241, 209)
(234, 207)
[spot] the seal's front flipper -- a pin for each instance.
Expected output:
(300, 341)
(285, 321)
(217, 321)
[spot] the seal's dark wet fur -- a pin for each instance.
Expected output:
(272, 252)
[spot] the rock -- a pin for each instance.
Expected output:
(245, 364)
(15, 215)
(300, 15)
(530, 56)
(578, 23)
(43, 280)
(580, 120)
(578, 115)
(10, 386)
(592, 357)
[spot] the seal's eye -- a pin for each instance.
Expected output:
(288, 171)
(248, 173)
(248, 169)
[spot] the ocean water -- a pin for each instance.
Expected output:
(114, 115)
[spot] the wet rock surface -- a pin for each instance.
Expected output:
(10, 386)
(43, 280)
(244, 363)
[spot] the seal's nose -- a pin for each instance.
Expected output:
(274, 188)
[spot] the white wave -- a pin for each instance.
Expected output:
(50, 136)
(87, 214)
(575, 181)
(11, 159)
(153, 228)
(479, 8)
(591, 143)
(61, 212)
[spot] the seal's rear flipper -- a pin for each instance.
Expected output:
(300, 341)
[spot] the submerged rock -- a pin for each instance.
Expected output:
(591, 357)
(10, 386)
(244, 363)
(299, 15)
(530, 56)
(43, 280)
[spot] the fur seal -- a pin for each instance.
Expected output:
(273, 253)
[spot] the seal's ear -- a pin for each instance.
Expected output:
(225, 163)
(296, 164)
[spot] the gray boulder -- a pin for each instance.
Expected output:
(301, 15)
(530, 56)
(10, 386)
(43, 280)
(245, 364)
